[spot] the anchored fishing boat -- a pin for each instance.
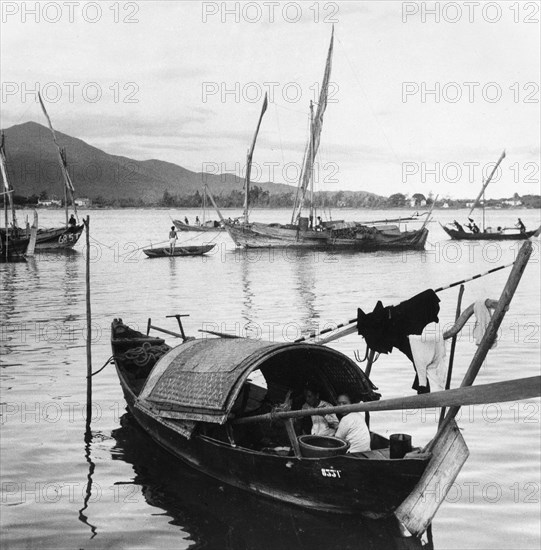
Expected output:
(161, 252)
(228, 407)
(65, 237)
(310, 231)
(15, 243)
(456, 230)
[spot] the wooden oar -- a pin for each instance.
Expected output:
(497, 392)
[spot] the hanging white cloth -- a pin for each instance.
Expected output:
(428, 352)
(482, 319)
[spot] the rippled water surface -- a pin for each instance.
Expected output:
(119, 491)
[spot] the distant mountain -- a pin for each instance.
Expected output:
(33, 168)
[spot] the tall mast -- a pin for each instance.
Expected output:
(249, 161)
(315, 135)
(69, 189)
(8, 189)
(481, 193)
(65, 162)
(247, 187)
(312, 163)
(204, 204)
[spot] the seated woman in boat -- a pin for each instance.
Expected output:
(72, 222)
(352, 428)
(321, 424)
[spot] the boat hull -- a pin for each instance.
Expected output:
(197, 228)
(457, 235)
(258, 235)
(163, 252)
(58, 238)
(12, 249)
(372, 488)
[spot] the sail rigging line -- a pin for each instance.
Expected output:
(249, 158)
(279, 134)
(315, 133)
(354, 72)
(485, 184)
(63, 164)
(299, 183)
(440, 289)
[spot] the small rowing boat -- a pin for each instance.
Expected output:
(165, 251)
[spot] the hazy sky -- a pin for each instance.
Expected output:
(424, 95)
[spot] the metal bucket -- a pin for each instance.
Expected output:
(321, 446)
(400, 444)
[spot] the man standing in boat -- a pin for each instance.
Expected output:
(321, 424)
(172, 240)
(520, 226)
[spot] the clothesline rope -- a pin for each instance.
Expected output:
(352, 321)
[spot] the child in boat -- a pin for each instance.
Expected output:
(352, 428)
(172, 239)
(321, 424)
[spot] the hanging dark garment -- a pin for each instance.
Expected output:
(386, 327)
(389, 327)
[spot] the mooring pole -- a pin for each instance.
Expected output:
(88, 334)
(452, 352)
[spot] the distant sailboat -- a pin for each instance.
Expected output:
(64, 237)
(457, 232)
(205, 225)
(302, 232)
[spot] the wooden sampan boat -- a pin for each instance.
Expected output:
(186, 398)
(165, 251)
(458, 235)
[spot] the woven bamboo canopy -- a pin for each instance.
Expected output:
(200, 380)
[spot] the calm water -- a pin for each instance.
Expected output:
(137, 496)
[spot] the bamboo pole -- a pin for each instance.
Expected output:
(88, 333)
(492, 330)
(496, 392)
(452, 352)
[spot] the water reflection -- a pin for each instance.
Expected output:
(218, 516)
(305, 278)
(83, 518)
